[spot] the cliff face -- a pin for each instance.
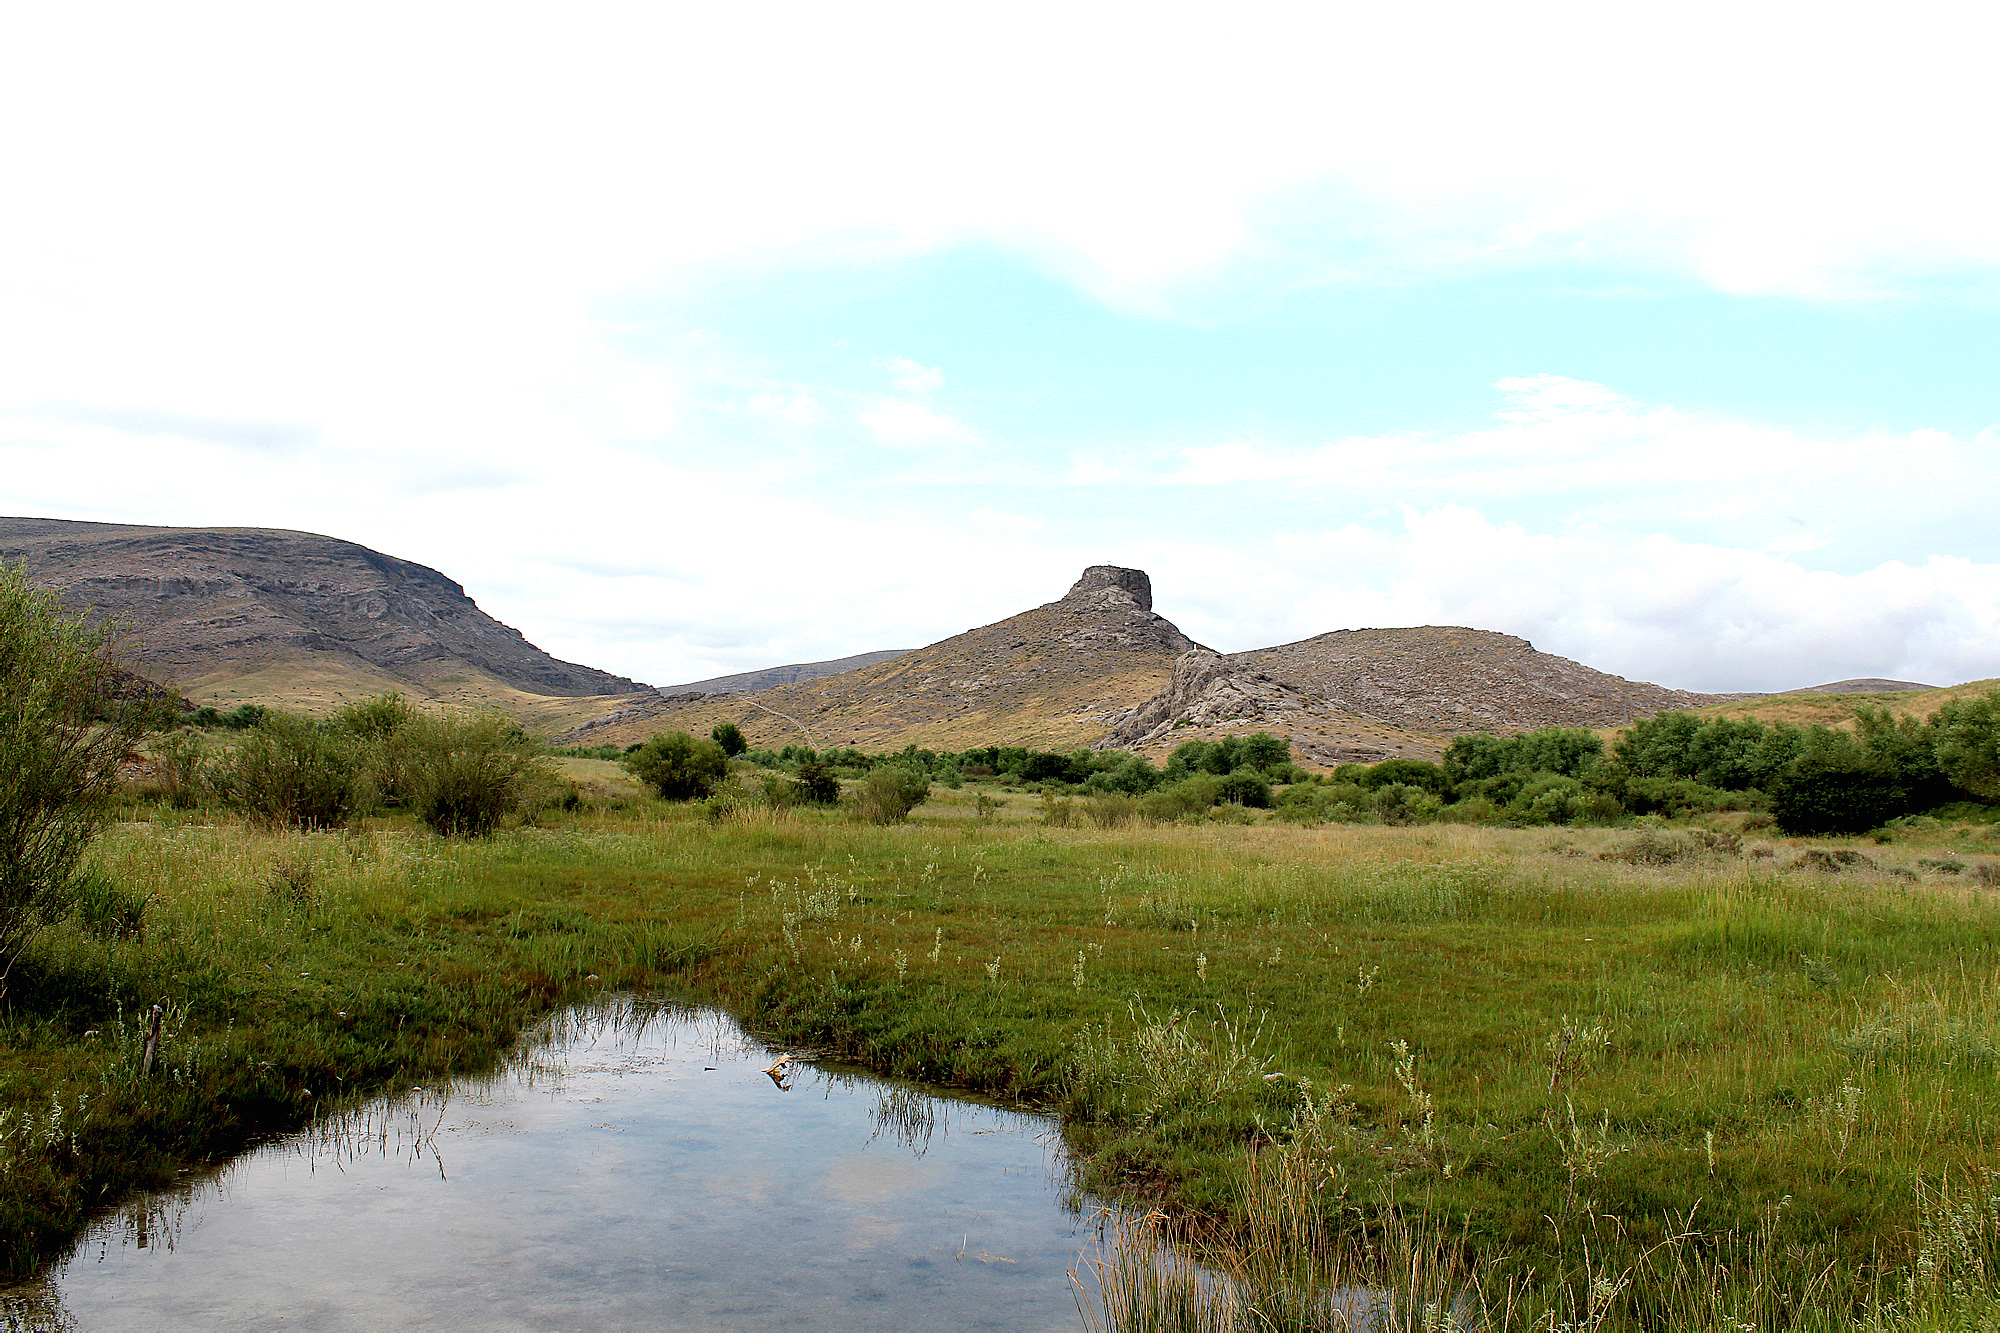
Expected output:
(203, 601)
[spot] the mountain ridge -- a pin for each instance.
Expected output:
(252, 614)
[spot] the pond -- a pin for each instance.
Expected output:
(636, 1166)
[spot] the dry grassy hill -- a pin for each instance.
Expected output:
(1370, 694)
(1805, 707)
(232, 615)
(1055, 677)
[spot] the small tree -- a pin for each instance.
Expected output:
(64, 730)
(679, 767)
(730, 737)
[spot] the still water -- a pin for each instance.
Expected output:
(635, 1167)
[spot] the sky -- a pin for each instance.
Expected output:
(695, 339)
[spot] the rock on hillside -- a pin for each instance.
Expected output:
(1056, 676)
(743, 682)
(1365, 695)
(209, 604)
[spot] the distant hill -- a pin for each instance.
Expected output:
(744, 682)
(1869, 685)
(1835, 708)
(1099, 667)
(231, 615)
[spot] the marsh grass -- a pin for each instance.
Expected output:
(1452, 1063)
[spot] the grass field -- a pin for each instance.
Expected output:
(1653, 1076)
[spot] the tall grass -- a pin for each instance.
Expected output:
(1499, 1076)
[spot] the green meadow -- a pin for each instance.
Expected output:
(1668, 1075)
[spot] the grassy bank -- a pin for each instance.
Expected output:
(1635, 1076)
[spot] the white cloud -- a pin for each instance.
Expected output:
(1606, 461)
(913, 377)
(799, 409)
(896, 422)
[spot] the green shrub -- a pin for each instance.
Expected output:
(1181, 800)
(1835, 794)
(1473, 810)
(1676, 797)
(679, 767)
(1247, 787)
(1571, 752)
(180, 768)
(1132, 775)
(778, 791)
(816, 783)
(1966, 741)
(1407, 772)
(1404, 803)
(380, 727)
(730, 737)
(1111, 809)
(889, 792)
(466, 772)
(293, 771)
(66, 723)
(1549, 798)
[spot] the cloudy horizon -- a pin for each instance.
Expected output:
(696, 342)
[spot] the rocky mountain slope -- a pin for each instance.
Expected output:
(1056, 676)
(1100, 667)
(743, 682)
(234, 614)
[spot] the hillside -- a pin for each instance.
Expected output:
(1370, 694)
(230, 615)
(1056, 676)
(744, 682)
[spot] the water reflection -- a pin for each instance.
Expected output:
(635, 1165)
